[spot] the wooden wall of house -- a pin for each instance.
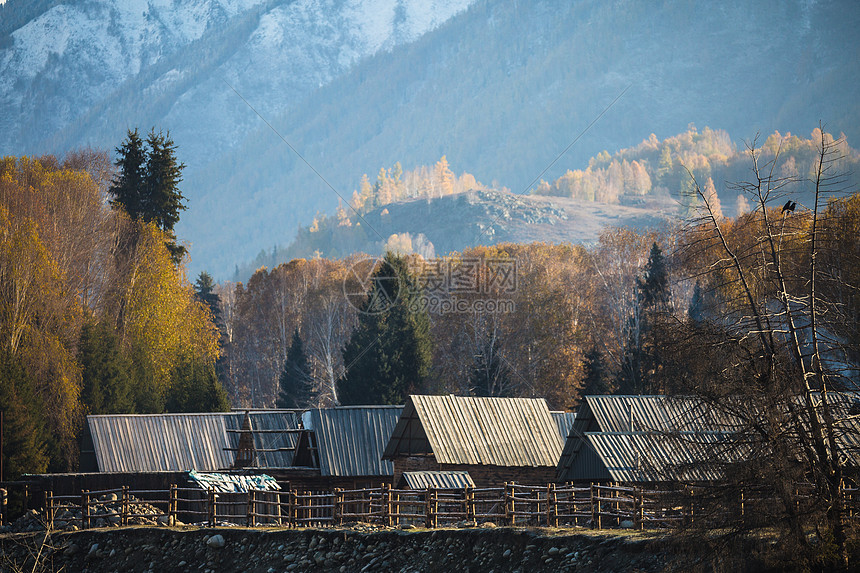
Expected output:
(482, 475)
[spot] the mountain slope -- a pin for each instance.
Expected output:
(504, 89)
(77, 72)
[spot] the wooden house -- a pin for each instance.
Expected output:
(343, 447)
(495, 440)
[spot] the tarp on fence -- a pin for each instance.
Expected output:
(231, 483)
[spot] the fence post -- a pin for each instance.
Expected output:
(172, 505)
(85, 509)
(213, 512)
(337, 505)
(4, 506)
(49, 510)
(510, 504)
(551, 506)
(743, 517)
(593, 512)
(251, 503)
(291, 508)
(386, 507)
(123, 505)
(470, 504)
(637, 509)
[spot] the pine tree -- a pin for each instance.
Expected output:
(162, 197)
(594, 380)
(295, 384)
(655, 285)
(127, 189)
(148, 183)
(196, 389)
(106, 385)
(25, 436)
(204, 288)
(389, 352)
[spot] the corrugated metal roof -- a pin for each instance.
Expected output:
(514, 432)
(564, 420)
(654, 414)
(652, 457)
(183, 442)
(351, 439)
(264, 426)
(451, 480)
(620, 413)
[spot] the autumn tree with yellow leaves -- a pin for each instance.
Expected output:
(61, 277)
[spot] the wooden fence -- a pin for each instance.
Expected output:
(596, 506)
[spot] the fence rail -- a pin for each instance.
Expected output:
(597, 506)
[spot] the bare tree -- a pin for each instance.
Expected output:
(788, 371)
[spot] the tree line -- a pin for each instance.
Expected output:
(96, 313)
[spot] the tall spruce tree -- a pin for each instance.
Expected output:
(162, 197)
(106, 385)
(147, 186)
(128, 187)
(296, 389)
(196, 389)
(390, 351)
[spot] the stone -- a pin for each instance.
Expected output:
(627, 524)
(488, 525)
(506, 554)
(553, 551)
(71, 549)
(94, 550)
(216, 541)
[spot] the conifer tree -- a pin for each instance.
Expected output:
(127, 189)
(105, 372)
(147, 186)
(389, 352)
(295, 384)
(594, 374)
(196, 389)
(25, 437)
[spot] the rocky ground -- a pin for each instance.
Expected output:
(355, 549)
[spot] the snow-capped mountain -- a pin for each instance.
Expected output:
(80, 73)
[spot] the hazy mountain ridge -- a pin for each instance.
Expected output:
(81, 72)
(502, 89)
(555, 68)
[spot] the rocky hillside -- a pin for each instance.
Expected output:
(436, 227)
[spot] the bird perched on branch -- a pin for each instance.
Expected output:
(789, 206)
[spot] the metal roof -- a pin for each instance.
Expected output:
(620, 413)
(183, 442)
(564, 420)
(350, 439)
(513, 432)
(442, 480)
(652, 457)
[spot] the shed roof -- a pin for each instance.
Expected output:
(350, 439)
(564, 421)
(653, 457)
(182, 442)
(513, 432)
(631, 414)
(437, 479)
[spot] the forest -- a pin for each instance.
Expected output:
(98, 315)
